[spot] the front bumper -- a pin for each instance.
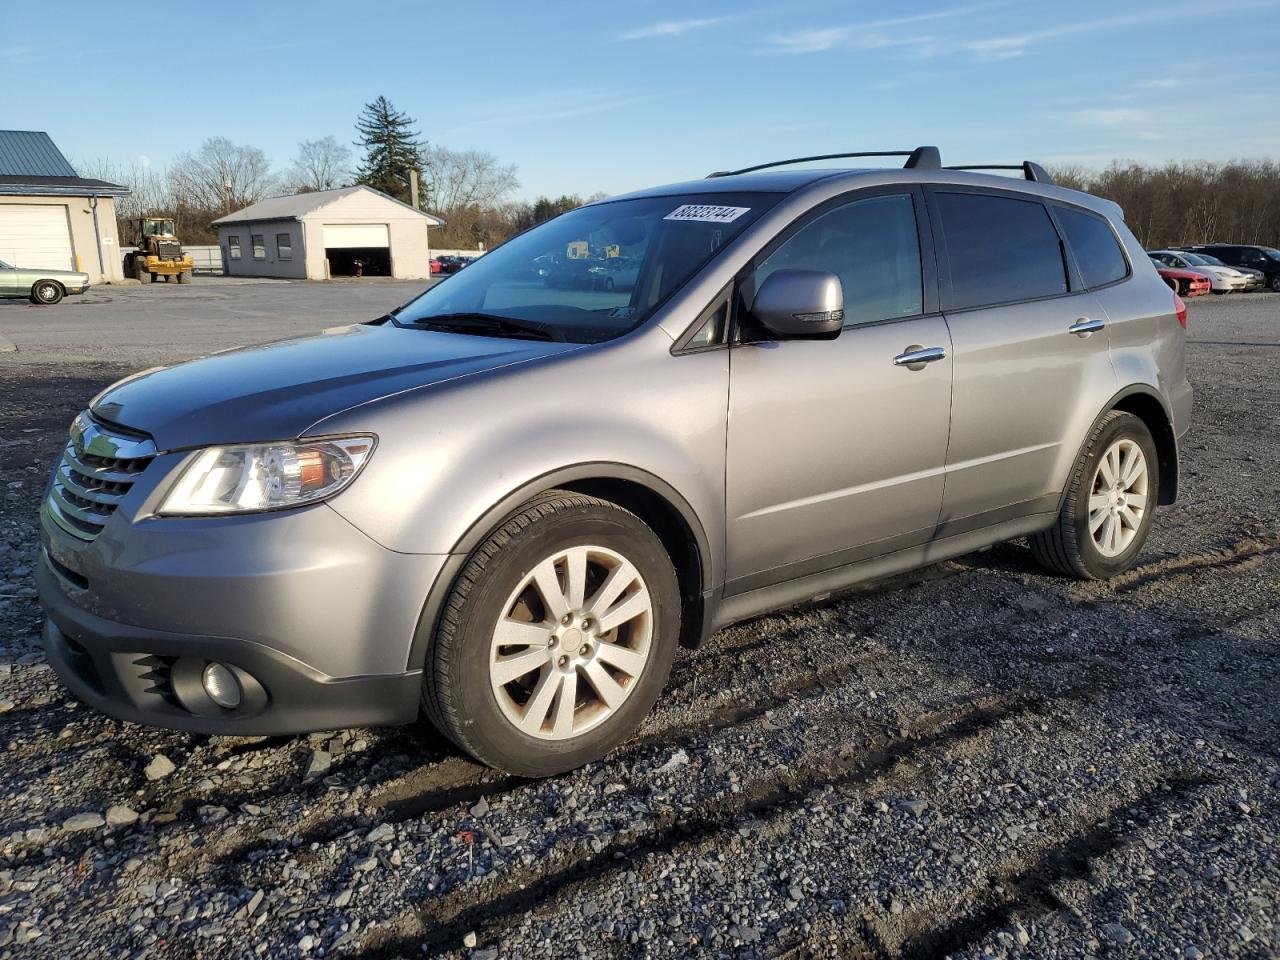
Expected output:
(316, 619)
(152, 677)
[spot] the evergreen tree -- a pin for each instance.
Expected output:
(392, 149)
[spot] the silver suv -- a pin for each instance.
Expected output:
(505, 503)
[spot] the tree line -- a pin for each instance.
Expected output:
(471, 189)
(1183, 203)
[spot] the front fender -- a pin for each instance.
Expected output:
(450, 457)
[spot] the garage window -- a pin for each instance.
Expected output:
(259, 245)
(284, 246)
(233, 248)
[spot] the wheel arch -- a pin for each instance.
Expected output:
(651, 498)
(57, 283)
(1146, 404)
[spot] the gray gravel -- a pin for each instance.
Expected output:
(977, 759)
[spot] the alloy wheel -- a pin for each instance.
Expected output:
(1118, 497)
(571, 643)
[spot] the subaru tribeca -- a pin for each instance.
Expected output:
(504, 504)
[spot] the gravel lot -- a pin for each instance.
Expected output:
(977, 759)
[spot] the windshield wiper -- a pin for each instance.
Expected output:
(485, 324)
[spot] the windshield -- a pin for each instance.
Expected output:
(153, 228)
(1200, 260)
(1271, 252)
(6, 266)
(593, 273)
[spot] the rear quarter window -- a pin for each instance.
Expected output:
(1000, 250)
(1094, 244)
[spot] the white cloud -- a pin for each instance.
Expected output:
(671, 28)
(868, 35)
(1109, 117)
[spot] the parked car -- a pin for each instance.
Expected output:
(39, 285)
(450, 264)
(1222, 279)
(436, 265)
(506, 509)
(1183, 282)
(1264, 260)
(614, 273)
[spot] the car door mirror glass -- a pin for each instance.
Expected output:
(805, 304)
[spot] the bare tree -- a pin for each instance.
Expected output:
(457, 179)
(221, 177)
(322, 164)
(1175, 203)
(149, 194)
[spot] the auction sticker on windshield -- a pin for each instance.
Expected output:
(706, 213)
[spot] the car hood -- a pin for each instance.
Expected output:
(277, 390)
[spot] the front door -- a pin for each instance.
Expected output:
(836, 448)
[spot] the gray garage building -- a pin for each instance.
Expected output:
(319, 235)
(52, 217)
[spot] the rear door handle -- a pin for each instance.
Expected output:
(1084, 327)
(916, 356)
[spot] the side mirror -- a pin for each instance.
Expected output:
(801, 304)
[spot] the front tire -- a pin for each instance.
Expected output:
(1275, 283)
(1110, 503)
(46, 292)
(556, 639)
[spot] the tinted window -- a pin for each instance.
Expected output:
(872, 246)
(1000, 249)
(1095, 247)
(592, 273)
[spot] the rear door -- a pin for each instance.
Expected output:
(835, 452)
(1030, 348)
(8, 280)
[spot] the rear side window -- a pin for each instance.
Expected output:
(1096, 249)
(1000, 250)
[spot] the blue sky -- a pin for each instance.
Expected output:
(598, 96)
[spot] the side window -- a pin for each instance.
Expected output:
(259, 246)
(233, 247)
(284, 246)
(1096, 249)
(1000, 250)
(873, 247)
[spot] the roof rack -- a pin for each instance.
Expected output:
(1031, 171)
(921, 158)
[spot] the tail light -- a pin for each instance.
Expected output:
(1180, 309)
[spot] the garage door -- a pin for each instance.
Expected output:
(356, 235)
(35, 235)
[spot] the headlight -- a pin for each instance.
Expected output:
(248, 478)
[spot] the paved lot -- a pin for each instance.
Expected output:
(158, 323)
(978, 759)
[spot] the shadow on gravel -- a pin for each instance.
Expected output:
(1029, 890)
(441, 923)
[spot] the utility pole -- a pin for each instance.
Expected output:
(413, 189)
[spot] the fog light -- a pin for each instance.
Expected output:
(221, 685)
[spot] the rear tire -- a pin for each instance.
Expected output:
(141, 273)
(46, 292)
(1109, 507)
(581, 679)
(1275, 283)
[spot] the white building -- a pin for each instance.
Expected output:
(52, 217)
(319, 235)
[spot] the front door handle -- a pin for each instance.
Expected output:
(1084, 327)
(916, 356)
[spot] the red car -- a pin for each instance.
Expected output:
(438, 267)
(1183, 282)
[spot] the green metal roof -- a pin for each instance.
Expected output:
(30, 153)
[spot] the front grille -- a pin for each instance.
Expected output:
(98, 468)
(168, 250)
